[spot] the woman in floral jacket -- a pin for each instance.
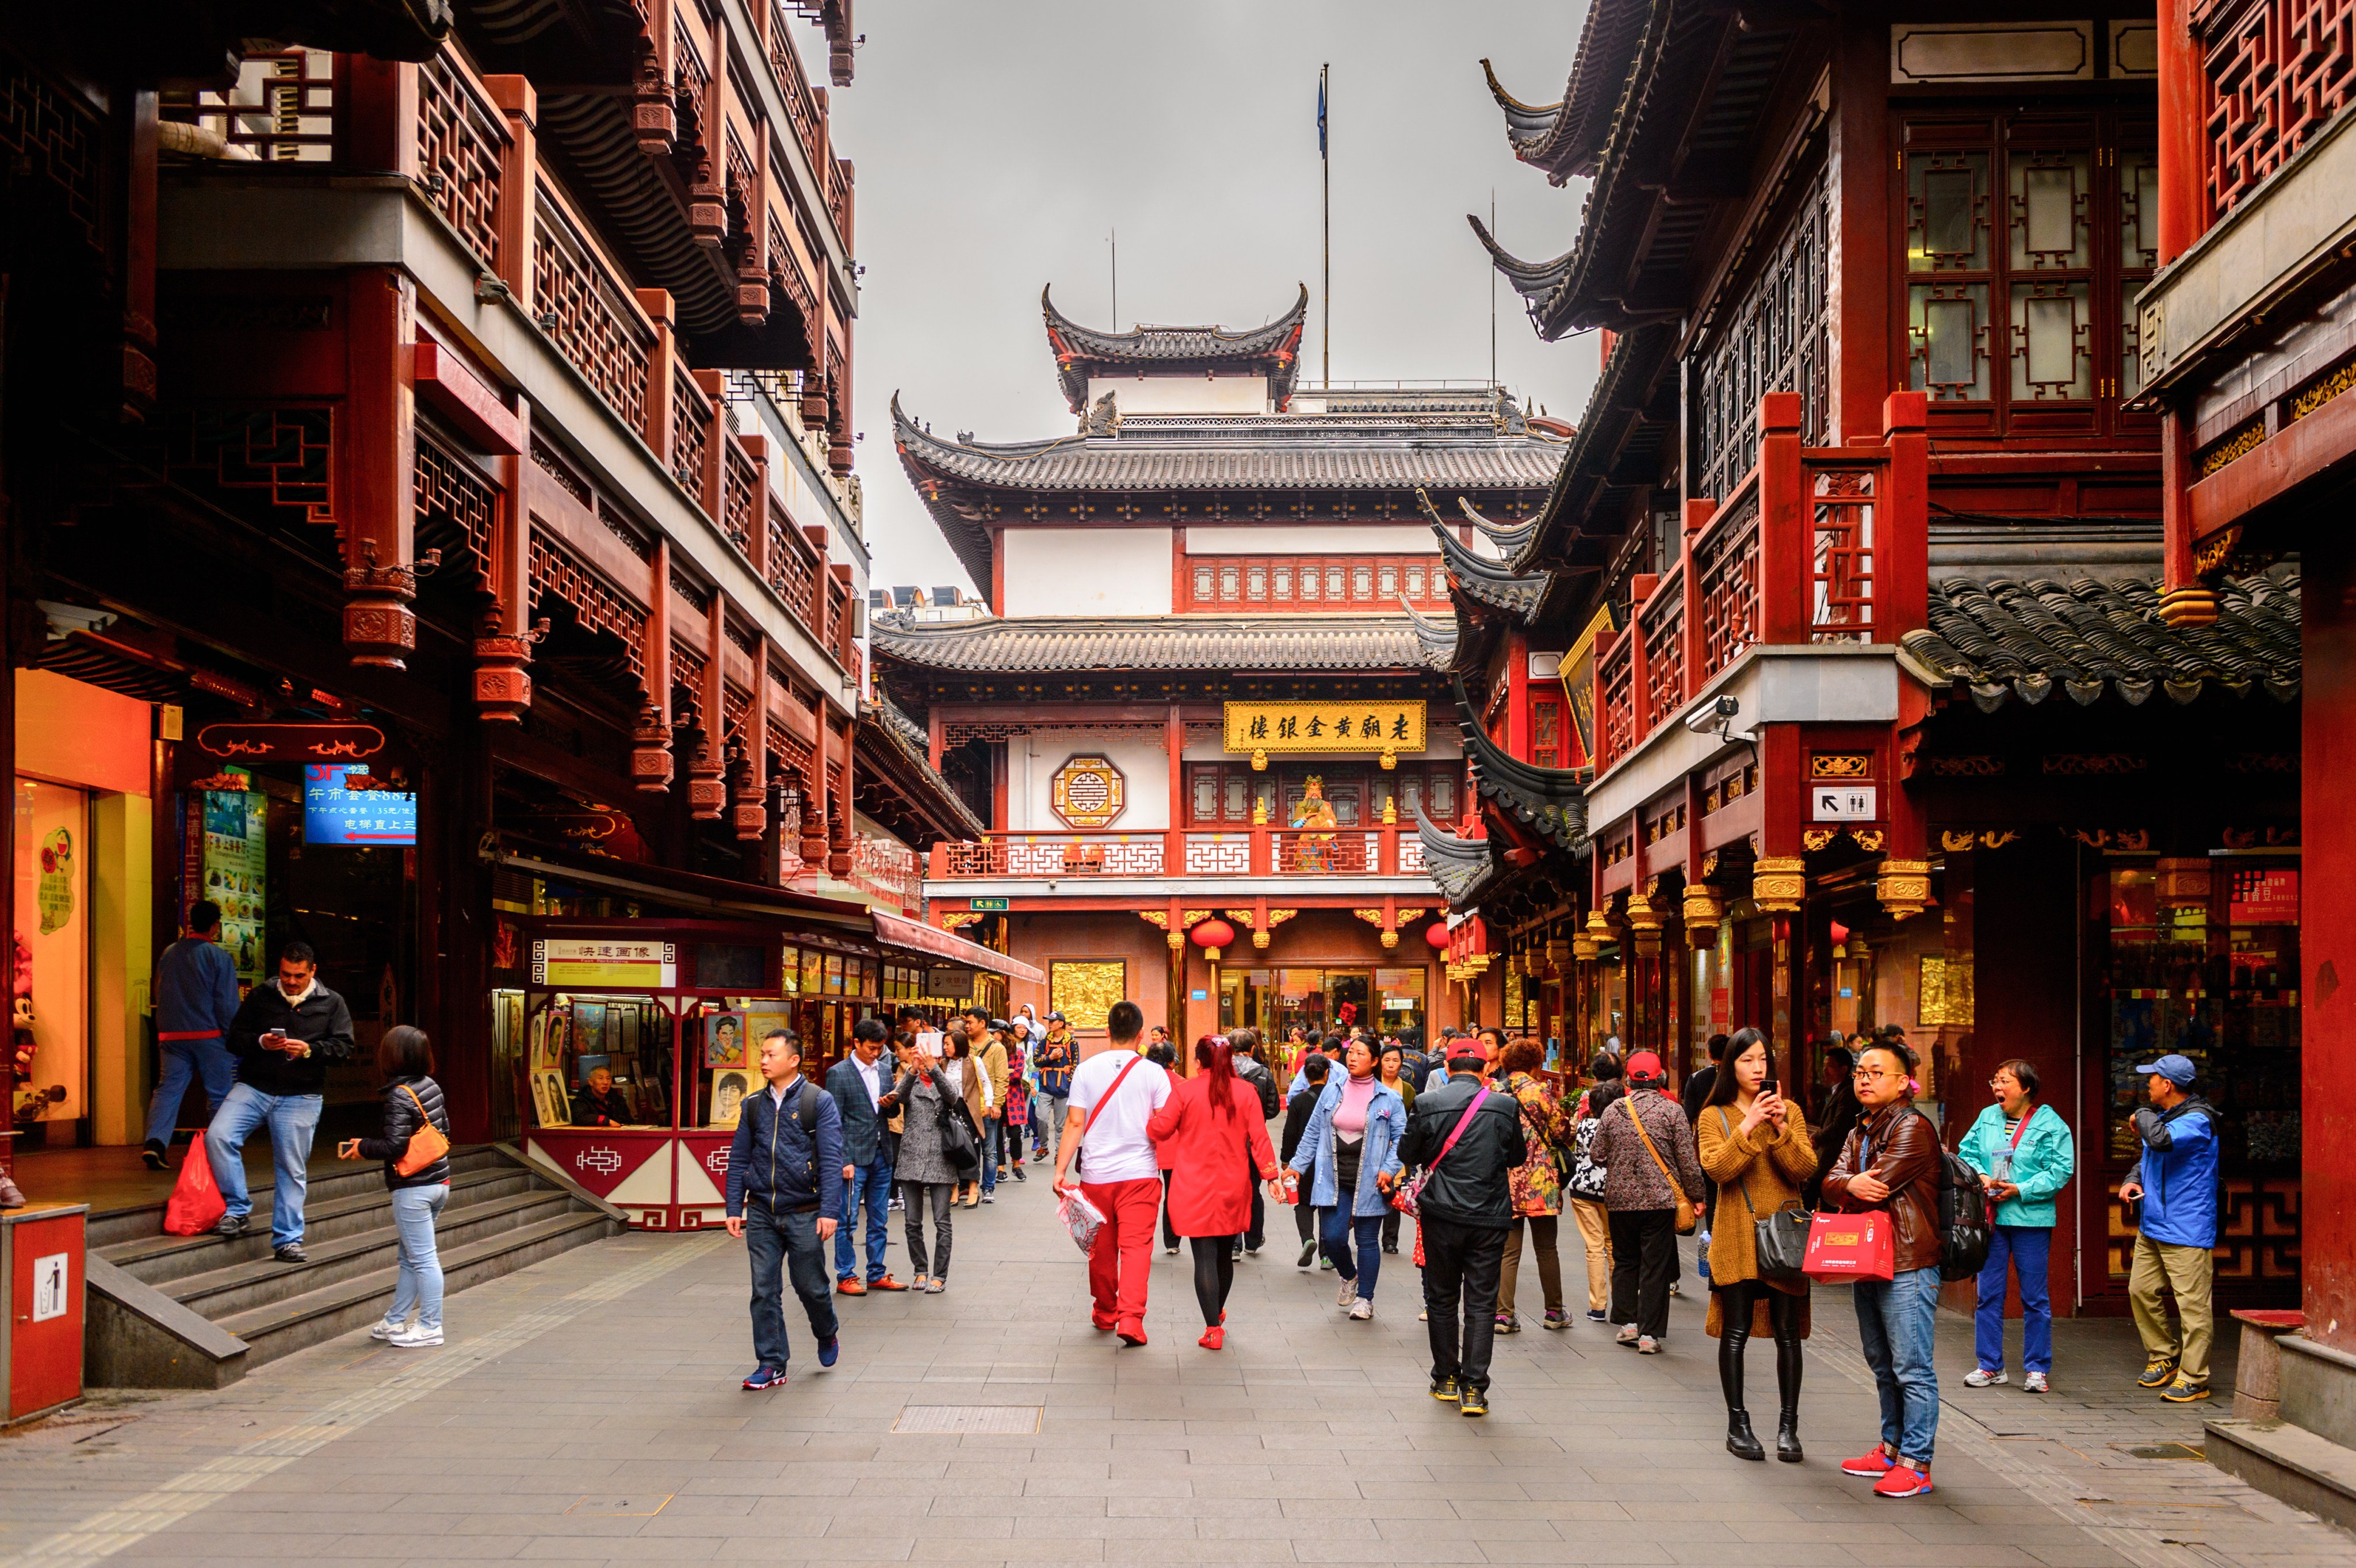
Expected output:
(1537, 1183)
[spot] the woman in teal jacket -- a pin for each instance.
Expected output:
(2024, 1154)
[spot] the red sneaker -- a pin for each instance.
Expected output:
(887, 1283)
(849, 1287)
(1213, 1338)
(1874, 1464)
(1902, 1482)
(1131, 1331)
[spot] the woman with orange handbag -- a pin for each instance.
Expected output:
(415, 1149)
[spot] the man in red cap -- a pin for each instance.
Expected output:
(1645, 1146)
(1469, 1140)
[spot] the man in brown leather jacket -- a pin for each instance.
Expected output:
(1891, 1162)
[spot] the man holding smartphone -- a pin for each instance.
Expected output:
(284, 1036)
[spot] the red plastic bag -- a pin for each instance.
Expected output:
(1849, 1247)
(196, 1204)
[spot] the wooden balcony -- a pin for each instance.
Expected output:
(1816, 545)
(1292, 853)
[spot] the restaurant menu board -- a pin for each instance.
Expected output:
(339, 806)
(235, 864)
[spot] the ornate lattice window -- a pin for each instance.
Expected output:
(1776, 337)
(1312, 583)
(2275, 74)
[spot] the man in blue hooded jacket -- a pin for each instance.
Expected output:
(2176, 1181)
(785, 1187)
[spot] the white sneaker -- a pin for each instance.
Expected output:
(1981, 1378)
(417, 1338)
(386, 1330)
(1648, 1346)
(1348, 1293)
(1627, 1335)
(1362, 1309)
(2032, 1383)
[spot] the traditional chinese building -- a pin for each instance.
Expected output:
(427, 467)
(2246, 337)
(1201, 717)
(1847, 594)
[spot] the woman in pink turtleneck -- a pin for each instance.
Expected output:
(1352, 1143)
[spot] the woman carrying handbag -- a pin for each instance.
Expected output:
(937, 1150)
(415, 1149)
(1756, 1147)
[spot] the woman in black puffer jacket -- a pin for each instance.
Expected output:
(404, 1057)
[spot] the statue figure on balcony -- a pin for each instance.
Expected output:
(1316, 813)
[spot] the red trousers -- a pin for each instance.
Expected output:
(1121, 1261)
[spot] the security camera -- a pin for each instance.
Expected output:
(1717, 719)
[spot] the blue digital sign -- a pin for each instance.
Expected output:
(339, 807)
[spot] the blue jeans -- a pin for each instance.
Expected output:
(874, 1180)
(2026, 1246)
(991, 1126)
(1335, 1229)
(293, 1119)
(419, 1285)
(776, 1243)
(207, 1060)
(1894, 1323)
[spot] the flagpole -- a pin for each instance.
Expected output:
(1325, 162)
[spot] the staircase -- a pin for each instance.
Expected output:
(201, 1311)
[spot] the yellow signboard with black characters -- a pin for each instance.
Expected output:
(1260, 730)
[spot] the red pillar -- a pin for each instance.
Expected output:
(1786, 537)
(2328, 908)
(1173, 837)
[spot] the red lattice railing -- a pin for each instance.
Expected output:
(461, 139)
(690, 434)
(2274, 72)
(1725, 586)
(843, 637)
(742, 478)
(1057, 854)
(793, 568)
(1615, 685)
(282, 110)
(596, 602)
(582, 306)
(1662, 624)
(1303, 853)
(1841, 578)
(1218, 854)
(801, 108)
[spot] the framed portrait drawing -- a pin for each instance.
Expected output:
(589, 1026)
(728, 1091)
(554, 1106)
(723, 1040)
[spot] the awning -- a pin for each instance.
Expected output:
(902, 933)
(687, 891)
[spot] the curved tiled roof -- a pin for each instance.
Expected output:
(1459, 867)
(1273, 351)
(1566, 139)
(1054, 643)
(1485, 580)
(1551, 801)
(2004, 638)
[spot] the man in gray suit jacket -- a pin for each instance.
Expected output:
(861, 1085)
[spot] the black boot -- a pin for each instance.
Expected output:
(1787, 1437)
(1740, 1441)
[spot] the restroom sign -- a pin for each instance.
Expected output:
(1842, 802)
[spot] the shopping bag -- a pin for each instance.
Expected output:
(196, 1204)
(1849, 1247)
(1080, 1218)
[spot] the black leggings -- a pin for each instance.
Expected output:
(1736, 1303)
(1214, 1274)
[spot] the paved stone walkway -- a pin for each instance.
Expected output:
(587, 1409)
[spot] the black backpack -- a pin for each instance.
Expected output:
(1963, 1218)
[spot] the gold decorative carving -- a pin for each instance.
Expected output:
(1966, 767)
(1903, 888)
(1177, 940)
(1779, 883)
(1997, 838)
(1084, 990)
(1277, 917)
(2241, 444)
(1956, 842)
(1190, 918)
(1372, 917)
(1705, 910)
(1154, 917)
(2184, 882)
(1873, 840)
(1840, 765)
(1087, 792)
(1814, 839)
(2320, 392)
(1944, 992)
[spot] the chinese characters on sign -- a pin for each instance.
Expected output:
(603, 964)
(1256, 729)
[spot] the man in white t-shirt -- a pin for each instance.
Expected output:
(1118, 1172)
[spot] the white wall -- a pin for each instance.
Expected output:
(1182, 394)
(1340, 539)
(1032, 761)
(1087, 572)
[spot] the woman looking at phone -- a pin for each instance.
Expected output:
(1754, 1145)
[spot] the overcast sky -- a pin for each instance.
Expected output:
(998, 144)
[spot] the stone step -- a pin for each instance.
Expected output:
(144, 1221)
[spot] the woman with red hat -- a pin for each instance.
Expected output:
(1212, 1136)
(1647, 1148)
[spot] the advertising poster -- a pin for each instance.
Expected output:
(235, 860)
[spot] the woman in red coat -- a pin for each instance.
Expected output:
(1210, 1133)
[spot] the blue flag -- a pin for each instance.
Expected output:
(1320, 114)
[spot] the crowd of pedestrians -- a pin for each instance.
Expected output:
(1472, 1146)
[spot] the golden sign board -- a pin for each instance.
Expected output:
(1088, 793)
(1261, 729)
(1084, 991)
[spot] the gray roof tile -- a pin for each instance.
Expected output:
(1046, 644)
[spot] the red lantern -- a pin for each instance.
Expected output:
(1438, 934)
(1213, 935)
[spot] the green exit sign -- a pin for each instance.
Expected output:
(986, 905)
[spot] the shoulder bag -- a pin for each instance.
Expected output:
(1685, 1204)
(1411, 1192)
(960, 1139)
(1781, 1240)
(427, 1144)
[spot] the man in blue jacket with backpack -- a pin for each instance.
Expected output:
(2176, 1179)
(785, 1187)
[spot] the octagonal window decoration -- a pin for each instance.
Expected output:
(1088, 793)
